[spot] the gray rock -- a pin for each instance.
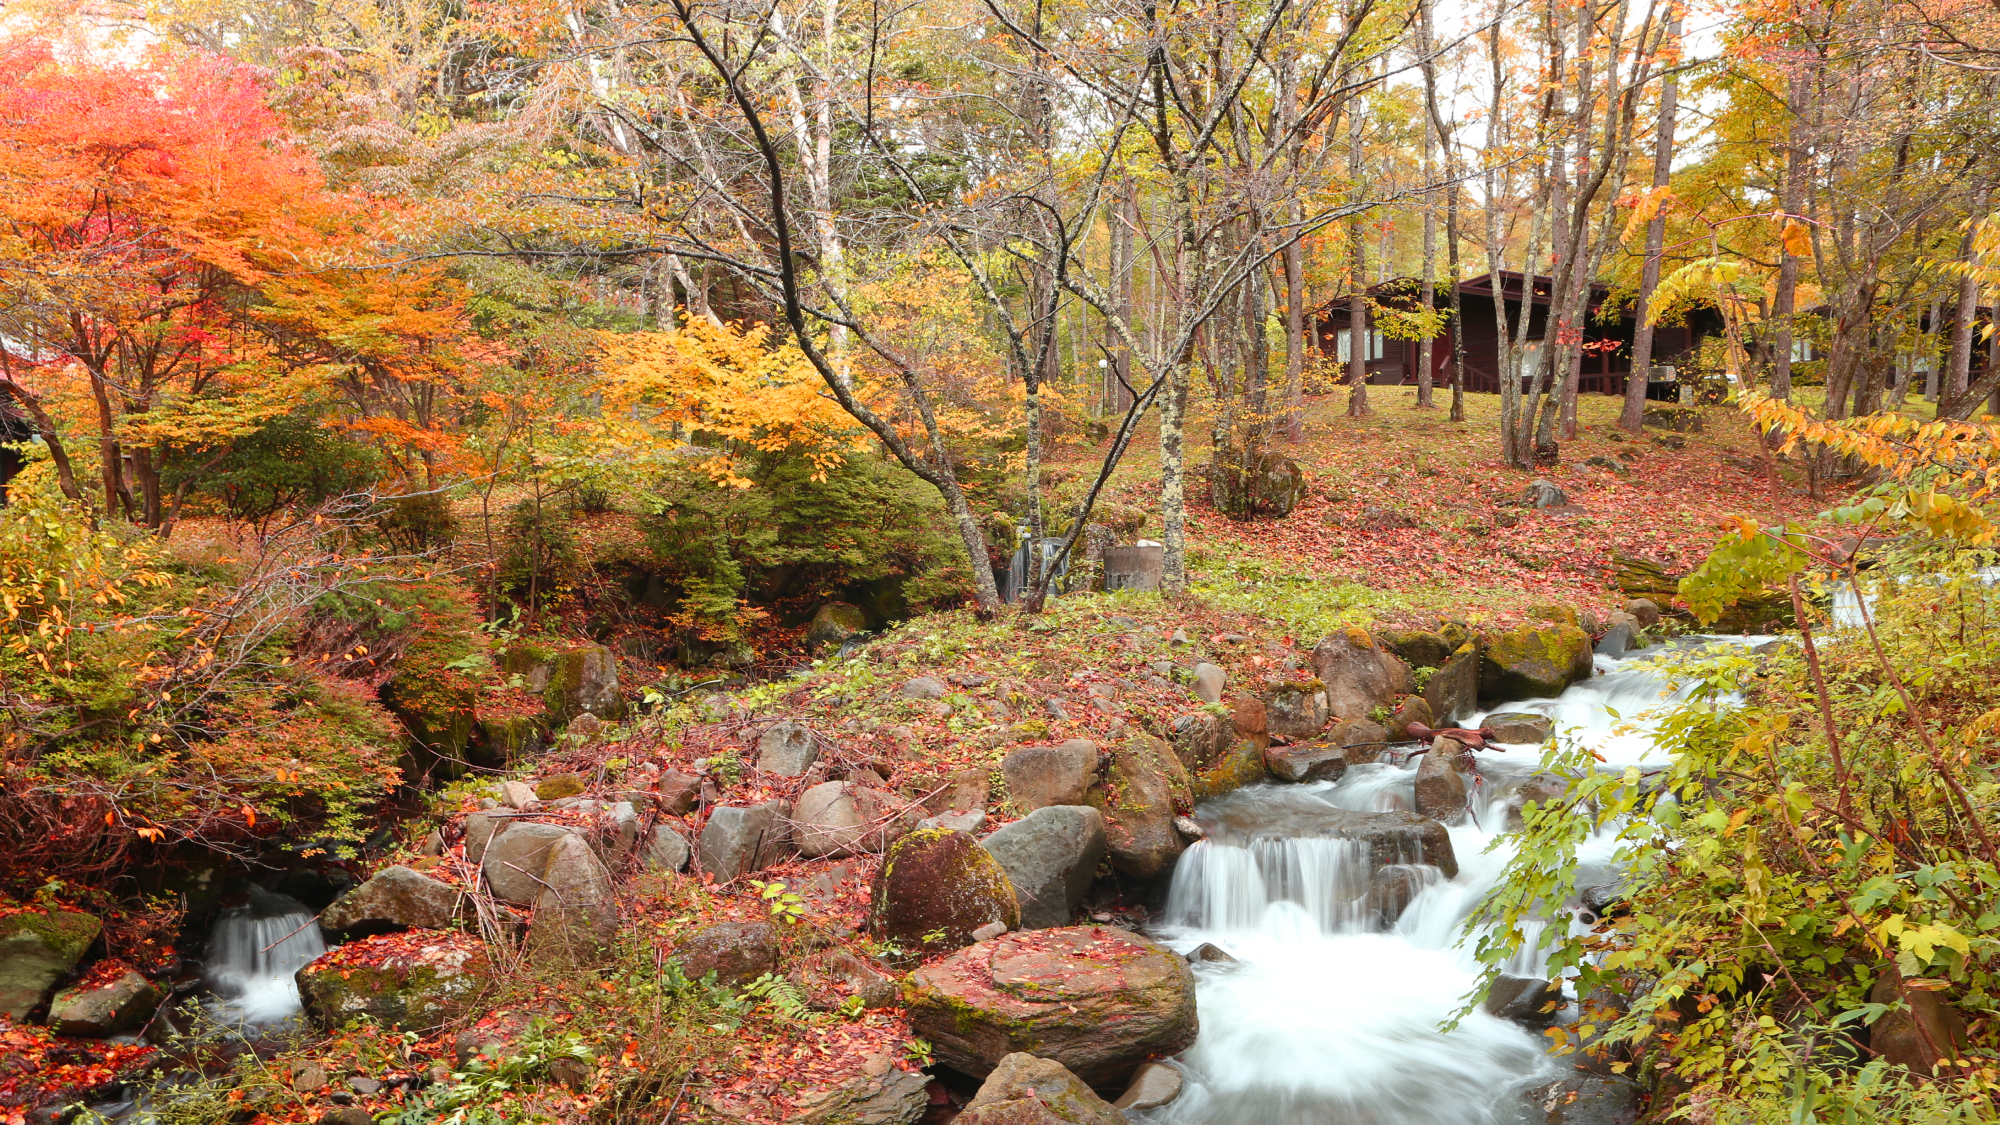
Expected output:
(1518, 727)
(1453, 690)
(964, 791)
(1615, 642)
(37, 949)
(1359, 674)
(1540, 788)
(1190, 828)
(787, 749)
(394, 898)
(1025, 1090)
(1543, 494)
(833, 624)
(739, 839)
(733, 951)
(347, 1115)
(1529, 1001)
(1201, 738)
(921, 688)
(667, 850)
(1310, 761)
(517, 794)
(955, 822)
(105, 1010)
(831, 978)
(678, 792)
(578, 902)
(1154, 1085)
(1051, 856)
(1209, 681)
(1210, 953)
(620, 829)
(1645, 611)
(1040, 776)
(1394, 886)
(1296, 710)
(825, 821)
(881, 1095)
(989, 931)
(479, 832)
(1584, 1099)
(514, 860)
(1442, 783)
(364, 1085)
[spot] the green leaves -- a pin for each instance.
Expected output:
(1742, 566)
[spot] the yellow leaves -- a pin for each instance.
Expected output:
(665, 392)
(1797, 239)
(1646, 205)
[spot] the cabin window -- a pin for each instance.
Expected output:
(1374, 341)
(1802, 351)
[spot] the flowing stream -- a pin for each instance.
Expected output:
(252, 956)
(1331, 1013)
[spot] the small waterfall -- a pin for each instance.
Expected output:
(1348, 962)
(253, 954)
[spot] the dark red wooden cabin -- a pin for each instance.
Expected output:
(1607, 360)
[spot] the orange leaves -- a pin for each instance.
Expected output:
(1797, 239)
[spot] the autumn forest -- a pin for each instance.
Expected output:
(1210, 563)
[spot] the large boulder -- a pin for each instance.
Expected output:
(667, 850)
(1255, 486)
(580, 681)
(1533, 662)
(1392, 837)
(1296, 710)
(1209, 680)
(514, 861)
(36, 949)
(1518, 727)
(1051, 856)
(787, 749)
(826, 822)
(740, 839)
(578, 906)
(1528, 1001)
(394, 898)
(1443, 780)
(1419, 648)
(1098, 1000)
(94, 1011)
(1453, 690)
(935, 887)
(1359, 676)
(1583, 1099)
(734, 951)
(1040, 776)
(1919, 1034)
(480, 829)
(833, 624)
(1026, 1090)
(1138, 802)
(1364, 741)
(395, 982)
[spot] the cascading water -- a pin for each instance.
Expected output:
(1330, 1015)
(252, 956)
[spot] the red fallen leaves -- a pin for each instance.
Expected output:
(775, 1074)
(37, 1066)
(414, 947)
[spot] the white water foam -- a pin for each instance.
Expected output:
(1329, 1017)
(253, 956)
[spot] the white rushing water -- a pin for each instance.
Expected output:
(1331, 1013)
(253, 955)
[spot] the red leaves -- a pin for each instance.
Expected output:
(36, 1066)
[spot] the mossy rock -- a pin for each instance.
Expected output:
(833, 624)
(507, 742)
(438, 715)
(1241, 765)
(1419, 648)
(36, 950)
(1138, 799)
(1557, 614)
(395, 983)
(560, 786)
(1532, 662)
(935, 887)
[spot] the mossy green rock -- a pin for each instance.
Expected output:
(1532, 662)
(393, 982)
(1025, 1090)
(1098, 1000)
(833, 624)
(1241, 765)
(1419, 648)
(510, 740)
(560, 786)
(36, 950)
(935, 887)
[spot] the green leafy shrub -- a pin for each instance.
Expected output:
(292, 461)
(418, 524)
(540, 560)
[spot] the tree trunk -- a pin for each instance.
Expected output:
(1656, 234)
(1427, 279)
(1357, 301)
(1959, 373)
(1786, 298)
